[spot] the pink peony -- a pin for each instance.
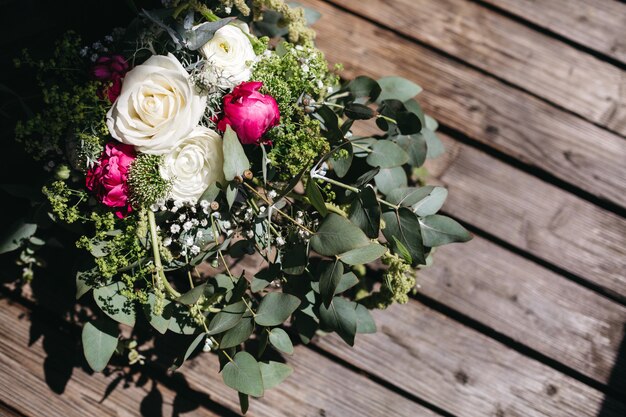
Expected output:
(108, 179)
(250, 113)
(110, 69)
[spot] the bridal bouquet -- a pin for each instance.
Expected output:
(210, 131)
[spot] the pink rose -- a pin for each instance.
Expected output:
(110, 69)
(108, 179)
(250, 113)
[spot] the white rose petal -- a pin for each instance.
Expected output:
(156, 107)
(195, 162)
(231, 53)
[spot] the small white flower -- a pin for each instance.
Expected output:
(188, 241)
(227, 225)
(204, 204)
(167, 241)
(94, 57)
(204, 222)
(280, 241)
(187, 226)
(299, 213)
(228, 10)
(199, 234)
(195, 250)
(216, 214)
(250, 234)
(83, 52)
(182, 217)
(154, 207)
(262, 209)
(108, 38)
(300, 47)
(272, 194)
(175, 228)
(305, 68)
(208, 345)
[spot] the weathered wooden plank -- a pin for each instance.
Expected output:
(538, 63)
(535, 216)
(317, 387)
(481, 107)
(26, 370)
(531, 305)
(597, 24)
(463, 371)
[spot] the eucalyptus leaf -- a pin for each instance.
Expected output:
(178, 362)
(295, 258)
(235, 159)
(244, 402)
(364, 321)
(181, 321)
(114, 304)
(397, 88)
(387, 154)
(365, 212)
(440, 230)
(403, 226)
(227, 318)
(273, 373)
(342, 165)
(330, 275)
(348, 280)
(315, 197)
(99, 342)
(340, 316)
(337, 235)
(243, 374)
(363, 255)
(160, 322)
(19, 231)
(196, 37)
(433, 143)
(363, 86)
(432, 203)
(281, 341)
(275, 308)
(357, 111)
(238, 334)
(390, 178)
(192, 296)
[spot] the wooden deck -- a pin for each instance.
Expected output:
(528, 319)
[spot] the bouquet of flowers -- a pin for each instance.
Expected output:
(210, 131)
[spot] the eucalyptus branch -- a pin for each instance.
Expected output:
(315, 175)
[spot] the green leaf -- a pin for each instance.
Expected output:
(414, 107)
(273, 373)
(16, 233)
(315, 197)
(114, 304)
(397, 88)
(363, 86)
(404, 226)
(341, 166)
(387, 154)
(295, 258)
(416, 147)
(181, 321)
(357, 111)
(231, 194)
(192, 296)
(160, 322)
(431, 203)
(238, 334)
(440, 230)
(281, 341)
(244, 375)
(235, 159)
(365, 212)
(99, 342)
(364, 321)
(408, 123)
(227, 318)
(337, 235)
(402, 250)
(275, 308)
(86, 275)
(348, 280)
(363, 255)
(390, 178)
(433, 143)
(179, 361)
(340, 317)
(330, 275)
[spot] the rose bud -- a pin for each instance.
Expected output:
(111, 70)
(249, 113)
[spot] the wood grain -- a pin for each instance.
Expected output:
(463, 371)
(535, 216)
(513, 122)
(25, 368)
(531, 305)
(597, 24)
(318, 386)
(511, 51)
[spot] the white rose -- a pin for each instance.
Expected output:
(231, 54)
(156, 107)
(195, 162)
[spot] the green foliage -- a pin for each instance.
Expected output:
(235, 159)
(99, 342)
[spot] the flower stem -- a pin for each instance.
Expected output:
(351, 188)
(157, 256)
